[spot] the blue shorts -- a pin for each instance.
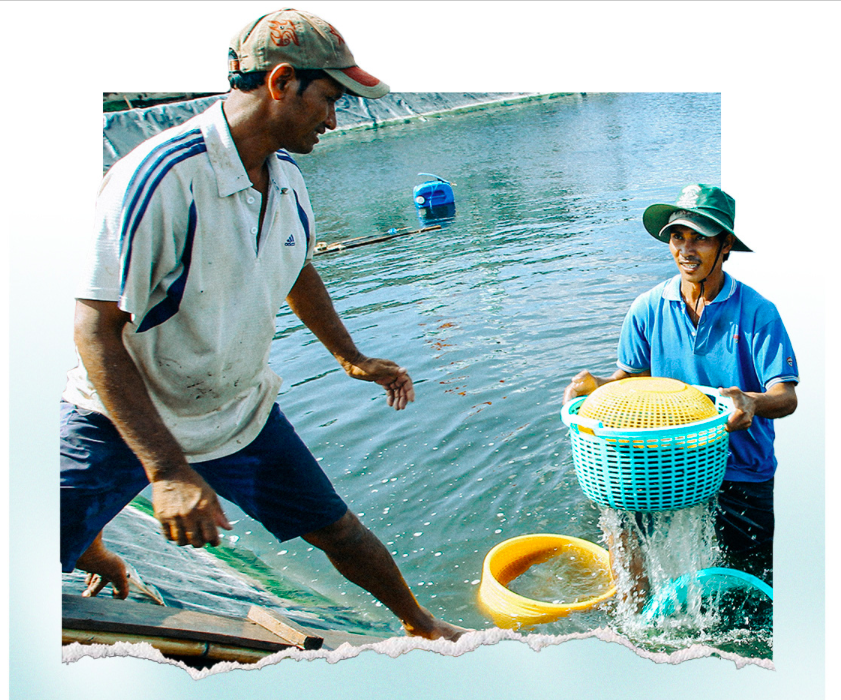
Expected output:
(275, 480)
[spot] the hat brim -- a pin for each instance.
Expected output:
(656, 217)
(358, 82)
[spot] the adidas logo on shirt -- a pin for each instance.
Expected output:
(290, 240)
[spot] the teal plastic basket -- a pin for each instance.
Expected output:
(674, 594)
(650, 469)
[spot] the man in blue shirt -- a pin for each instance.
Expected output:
(704, 327)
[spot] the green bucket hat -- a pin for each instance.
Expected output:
(704, 208)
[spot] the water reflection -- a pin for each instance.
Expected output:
(441, 215)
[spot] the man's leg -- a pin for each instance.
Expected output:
(99, 476)
(362, 559)
(103, 567)
(278, 482)
(745, 526)
(622, 530)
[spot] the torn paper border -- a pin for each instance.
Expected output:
(398, 646)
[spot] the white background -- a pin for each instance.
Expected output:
(774, 64)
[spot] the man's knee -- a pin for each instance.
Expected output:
(346, 532)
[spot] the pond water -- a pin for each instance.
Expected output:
(523, 286)
(526, 284)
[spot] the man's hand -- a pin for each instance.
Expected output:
(778, 401)
(310, 302)
(398, 384)
(745, 405)
(582, 384)
(188, 509)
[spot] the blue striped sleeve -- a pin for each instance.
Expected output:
(168, 307)
(144, 183)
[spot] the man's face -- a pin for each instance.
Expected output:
(310, 114)
(696, 256)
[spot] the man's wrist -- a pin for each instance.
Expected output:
(170, 470)
(350, 359)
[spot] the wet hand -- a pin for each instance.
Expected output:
(188, 509)
(395, 379)
(745, 408)
(582, 384)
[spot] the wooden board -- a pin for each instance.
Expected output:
(141, 619)
(178, 632)
(280, 626)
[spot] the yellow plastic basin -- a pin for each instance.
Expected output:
(511, 558)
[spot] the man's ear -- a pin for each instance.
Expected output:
(728, 244)
(279, 80)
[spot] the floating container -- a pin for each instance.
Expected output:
(433, 193)
(674, 594)
(512, 558)
(649, 443)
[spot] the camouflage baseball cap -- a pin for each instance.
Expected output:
(304, 41)
(703, 208)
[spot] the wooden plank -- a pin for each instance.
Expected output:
(284, 628)
(129, 617)
(124, 618)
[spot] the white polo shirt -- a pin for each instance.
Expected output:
(176, 246)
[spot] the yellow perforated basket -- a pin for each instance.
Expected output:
(647, 402)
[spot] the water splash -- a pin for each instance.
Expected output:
(649, 551)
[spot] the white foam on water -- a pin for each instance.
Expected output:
(666, 546)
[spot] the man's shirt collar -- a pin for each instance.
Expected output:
(671, 292)
(230, 173)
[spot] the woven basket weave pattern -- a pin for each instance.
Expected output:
(623, 461)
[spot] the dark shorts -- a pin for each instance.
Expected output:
(745, 515)
(275, 480)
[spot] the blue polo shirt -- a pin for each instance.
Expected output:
(740, 341)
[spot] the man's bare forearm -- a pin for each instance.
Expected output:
(187, 508)
(98, 336)
(777, 402)
(310, 301)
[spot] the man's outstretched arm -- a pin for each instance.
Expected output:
(185, 505)
(311, 302)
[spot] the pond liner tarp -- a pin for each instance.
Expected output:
(122, 131)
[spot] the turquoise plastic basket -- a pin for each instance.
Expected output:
(650, 469)
(674, 594)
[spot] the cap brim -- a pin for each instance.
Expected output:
(689, 224)
(656, 217)
(357, 82)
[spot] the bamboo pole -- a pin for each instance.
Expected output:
(367, 240)
(172, 647)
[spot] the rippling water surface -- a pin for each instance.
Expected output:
(527, 284)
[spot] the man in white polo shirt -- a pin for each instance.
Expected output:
(203, 232)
